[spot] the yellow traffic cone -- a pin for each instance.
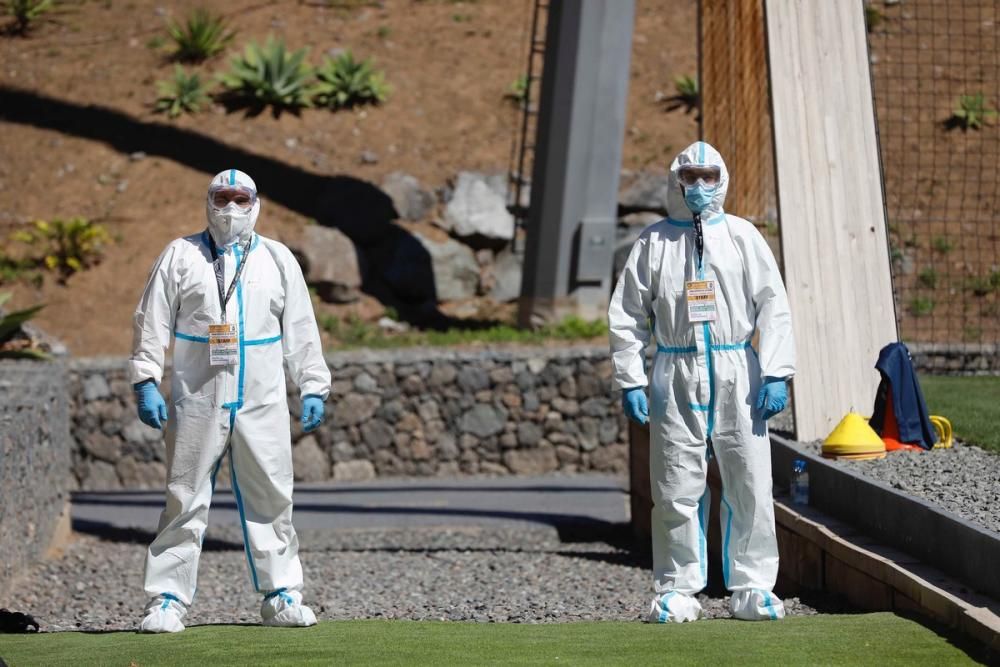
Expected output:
(853, 438)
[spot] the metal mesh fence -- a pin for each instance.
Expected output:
(936, 77)
(736, 114)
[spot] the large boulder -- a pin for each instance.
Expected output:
(483, 420)
(507, 271)
(410, 200)
(419, 268)
(478, 208)
(330, 263)
(456, 271)
(309, 462)
(644, 191)
(537, 461)
(640, 219)
(353, 471)
(141, 474)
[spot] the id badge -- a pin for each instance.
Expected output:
(700, 300)
(223, 344)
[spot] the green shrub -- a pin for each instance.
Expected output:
(13, 345)
(972, 334)
(873, 17)
(687, 90)
(942, 244)
(574, 327)
(25, 12)
(201, 36)
(344, 82)
(184, 93)
(518, 90)
(928, 278)
(11, 268)
(984, 285)
(156, 42)
(64, 246)
(921, 305)
(355, 332)
(971, 112)
(270, 76)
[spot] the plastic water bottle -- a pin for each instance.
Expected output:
(800, 483)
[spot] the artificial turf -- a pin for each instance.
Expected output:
(971, 404)
(849, 639)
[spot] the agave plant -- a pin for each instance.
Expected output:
(200, 37)
(183, 93)
(971, 112)
(270, 75)
(25, 12)
(344, 82)
(13, 343)
(66, 246)
(517, 92)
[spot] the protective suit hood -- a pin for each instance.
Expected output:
(697, 153)
(230, 224)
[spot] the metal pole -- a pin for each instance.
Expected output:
(574, 194)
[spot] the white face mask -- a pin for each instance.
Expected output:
(232, 223)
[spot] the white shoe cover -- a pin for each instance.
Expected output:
(756, 604)
(284, 608)
(674, 607)
(163, 614)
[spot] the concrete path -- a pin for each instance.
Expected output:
(578, 501)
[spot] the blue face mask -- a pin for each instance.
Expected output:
(699, 197)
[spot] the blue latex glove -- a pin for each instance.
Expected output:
(152, 407)
(772, 398)
(635, 405)
(312, 412)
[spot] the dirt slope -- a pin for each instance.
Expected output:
(77, 100)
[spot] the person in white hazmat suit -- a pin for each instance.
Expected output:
(700, 283)
(237, 308)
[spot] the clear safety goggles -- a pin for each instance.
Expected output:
(690, 174)
(221, 196)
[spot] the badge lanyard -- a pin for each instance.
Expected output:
(220, 273)
(223, 338)
(699, 238)
(700, 294)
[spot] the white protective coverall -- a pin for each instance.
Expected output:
(703, 388)
(237, 410)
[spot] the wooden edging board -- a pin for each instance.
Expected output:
(926, 532)
(877, 578)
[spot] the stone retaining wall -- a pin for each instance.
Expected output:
(956, 358)
(414, 412)
(34, 460)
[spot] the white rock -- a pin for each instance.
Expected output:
(353, 471)
(476, 208)
(410, 200)
(331, 264)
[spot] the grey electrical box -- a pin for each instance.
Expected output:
(594, 250)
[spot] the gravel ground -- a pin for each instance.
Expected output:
(525, 575)
(963, 479)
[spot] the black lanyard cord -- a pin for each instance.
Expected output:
(699, 238)
(218, 264)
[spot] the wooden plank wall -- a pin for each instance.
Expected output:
(735, 110)
(833, 231)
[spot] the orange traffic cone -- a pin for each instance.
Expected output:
(890, 430)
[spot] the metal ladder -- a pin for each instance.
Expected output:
(519, 175)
